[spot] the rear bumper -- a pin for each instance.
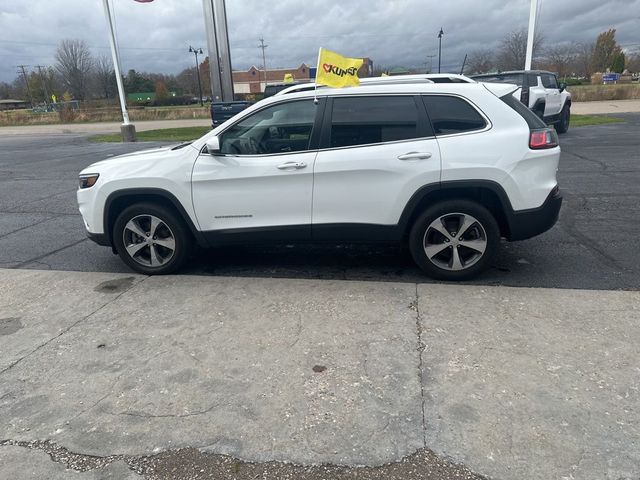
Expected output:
(525, 224)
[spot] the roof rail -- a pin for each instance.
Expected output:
(390, 80)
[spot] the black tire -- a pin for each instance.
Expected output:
(483, 228)
(565, 118)
(173, 228)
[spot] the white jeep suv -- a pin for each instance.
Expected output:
(448, 168)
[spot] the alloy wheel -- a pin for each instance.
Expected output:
(455, 241)
(148, 240)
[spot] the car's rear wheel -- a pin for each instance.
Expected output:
(454, 240)
(151, 239)
(565, 117)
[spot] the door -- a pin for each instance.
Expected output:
(377, 151)
(552, 94)
(263, 176)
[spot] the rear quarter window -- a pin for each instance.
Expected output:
(531, 118)
(451, 115)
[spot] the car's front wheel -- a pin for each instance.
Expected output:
(454, 240)
(151, 239)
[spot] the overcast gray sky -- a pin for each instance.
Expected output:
(155, 36)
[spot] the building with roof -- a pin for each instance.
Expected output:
(253, 79)
(13, 104)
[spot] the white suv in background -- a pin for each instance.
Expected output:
(540, 91)
(448, 168)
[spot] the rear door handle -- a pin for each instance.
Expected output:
(415, 156)
(292, 166)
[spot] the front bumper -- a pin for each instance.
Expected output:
(100, 238)
(525, 224)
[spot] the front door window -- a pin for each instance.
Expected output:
(281, 128)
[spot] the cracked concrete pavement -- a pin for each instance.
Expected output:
(242, 373)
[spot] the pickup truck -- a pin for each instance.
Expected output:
(540, 91)
(223, 111)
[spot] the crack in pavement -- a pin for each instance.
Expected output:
(166, 415)
(66, 192)
(600, 163)
(65, 330)
(28, 226)
(40, 257)
(190, 462)
(420, 349)
(79, 462)
(568, 223)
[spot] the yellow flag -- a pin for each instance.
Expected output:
(334, 70)
(288, 78)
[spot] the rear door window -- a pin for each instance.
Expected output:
(450, 115)
(367, 120)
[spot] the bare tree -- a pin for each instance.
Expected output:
(560, 59)
(105, 77)
(5, 90)
(633, 63)
(584, 59)
(480, 61)
(75, 64)
(513, 50)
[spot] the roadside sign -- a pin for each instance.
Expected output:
(610, 77)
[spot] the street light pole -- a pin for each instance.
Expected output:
(127, 129)
(531, 34)
(197, 51)
(440, 35)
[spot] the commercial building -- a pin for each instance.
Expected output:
(253, 79)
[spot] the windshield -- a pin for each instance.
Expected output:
(515, 78)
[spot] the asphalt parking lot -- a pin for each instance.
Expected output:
(592, 247)
(262, 362)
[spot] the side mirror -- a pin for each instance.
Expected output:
(562, 86)
(213, 145)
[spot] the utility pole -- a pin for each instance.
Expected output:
(26, 82)
(44, 84)
(264, 61)
(440, 35)
(197, 51)
(127, 129)
(531, 34)
(430, 57)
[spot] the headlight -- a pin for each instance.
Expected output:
(88, 180)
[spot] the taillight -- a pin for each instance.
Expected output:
(543, 138)
(524, 96)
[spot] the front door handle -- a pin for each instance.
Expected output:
(292, 166)
(415, 156)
